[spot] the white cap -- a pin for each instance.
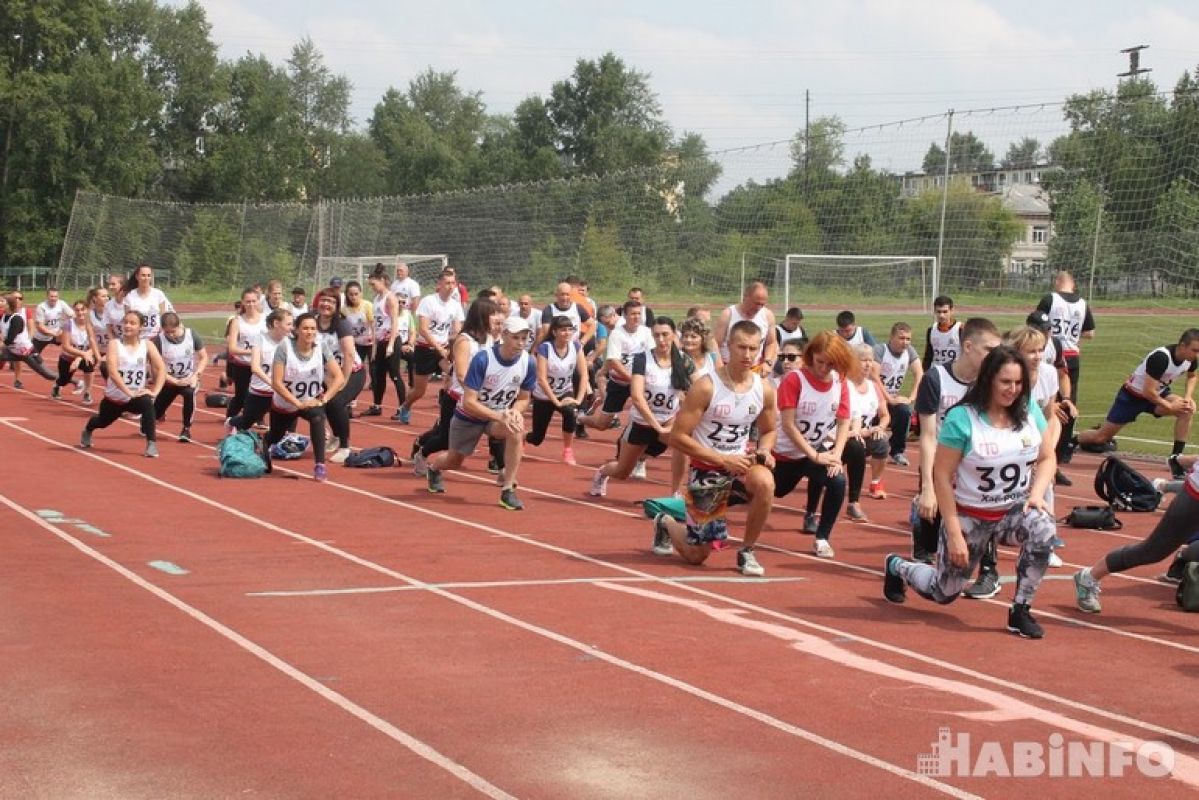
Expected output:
(516, 325)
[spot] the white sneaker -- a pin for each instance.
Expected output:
(420, 465)
(332, 444)
(1055, 560)
(823, 549)
(639, 470)
(747, 562)
(340, 455)
(599, 484)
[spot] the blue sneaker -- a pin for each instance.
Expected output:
(894, 588)
(405, 415)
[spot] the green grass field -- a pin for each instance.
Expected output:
(1121, 340)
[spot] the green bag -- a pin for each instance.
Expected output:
(240, 456)
(1188, 590)
(673, 506)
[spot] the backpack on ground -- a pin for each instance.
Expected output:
(1125, 489)
(240, 456)
(216, 400)
(1097, 518)
(1188, 590)
(290, 447)
(372, 458)
(673, 506)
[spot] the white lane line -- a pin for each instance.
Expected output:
(381, 725)
(741, 581)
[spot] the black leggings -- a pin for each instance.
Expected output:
(1173, 530)
(543, 412)
(284, 421)
(252, 413)
(65, 372)
(167, 396)
(788, 474)
(338, 409)
(32, 359)
(241, 387)
(437, 438)
(1064, 450)
(109, 412)
(382, 368)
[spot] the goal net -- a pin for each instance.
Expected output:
(904, 282)
(422, 267)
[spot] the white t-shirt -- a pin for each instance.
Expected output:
(441, 314)
(405, 291)
(52, 318)
(623, 345)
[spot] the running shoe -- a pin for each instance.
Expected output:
(87, 398)
(493, 466)
(55, 392)
(320, 473)
(435, 481)
(599, 484)
(1177, 568)
(987, 586)
(900, 460)
(894, 589)
(615, 423)
(79, 386)
(85, 440)
(1055, 560)
(18, 385)
(404, 415)
(151, 450)
(1086, 592)
(185, 435)
(1021, 622)
(373, 411)
(747, 562)
(1177, 472)
(638, 470)
(877, 490)
(568, 457)
(811, 522)
(854, 511)
(662, 544)
(1060, 479)
(420, 466)
(823, 549)
(340, 455)
(510, 501)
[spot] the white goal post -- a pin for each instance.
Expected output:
(422, 267)
(895, 278)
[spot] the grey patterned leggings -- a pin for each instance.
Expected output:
(1032, 531)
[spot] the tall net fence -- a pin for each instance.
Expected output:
(1001, 198)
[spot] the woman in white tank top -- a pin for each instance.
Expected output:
(869, 433)
(76, 350)
(142, 296)
(304, 377)
(97, 301)
(244, 330)
(135, 376)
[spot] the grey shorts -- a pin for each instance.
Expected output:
(465, 435)
(877, 448)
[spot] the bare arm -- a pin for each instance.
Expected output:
(159, 368)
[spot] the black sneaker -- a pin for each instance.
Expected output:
(581, 432)
(185, 435)
(493, 466)
(56, 392)
(373, 411)
(1174, 573)
(1177, 472)
(922, 555)
(1060, 479)
(985, 587)
(510, 501)
(811, 523)
(1021, 623)
(894, 589)
(436, 482)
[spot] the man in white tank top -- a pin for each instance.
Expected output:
(1147, 391)
(712, 430)
(943, 339)
(1070, 320)
(753, 307)
(853, 333)
(895, 360)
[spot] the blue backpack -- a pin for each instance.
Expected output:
(240, 456)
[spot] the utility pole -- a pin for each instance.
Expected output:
(807, 141)
(1134, 62)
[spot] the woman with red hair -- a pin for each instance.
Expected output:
(814, 413)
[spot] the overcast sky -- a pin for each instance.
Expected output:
(734, 72)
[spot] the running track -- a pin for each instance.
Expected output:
(363, 638)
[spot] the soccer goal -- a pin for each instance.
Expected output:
(883, 278)
(422, 267)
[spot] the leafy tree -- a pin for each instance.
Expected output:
(967, 154)
(821, 150)
(605, 117)
(1022, 154)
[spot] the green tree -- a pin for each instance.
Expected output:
(1022, 154)
(606, 117)
(967, 154)
(821, 150)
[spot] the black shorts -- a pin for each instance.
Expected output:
(616, 397)
(426, 361)
(636, 433)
